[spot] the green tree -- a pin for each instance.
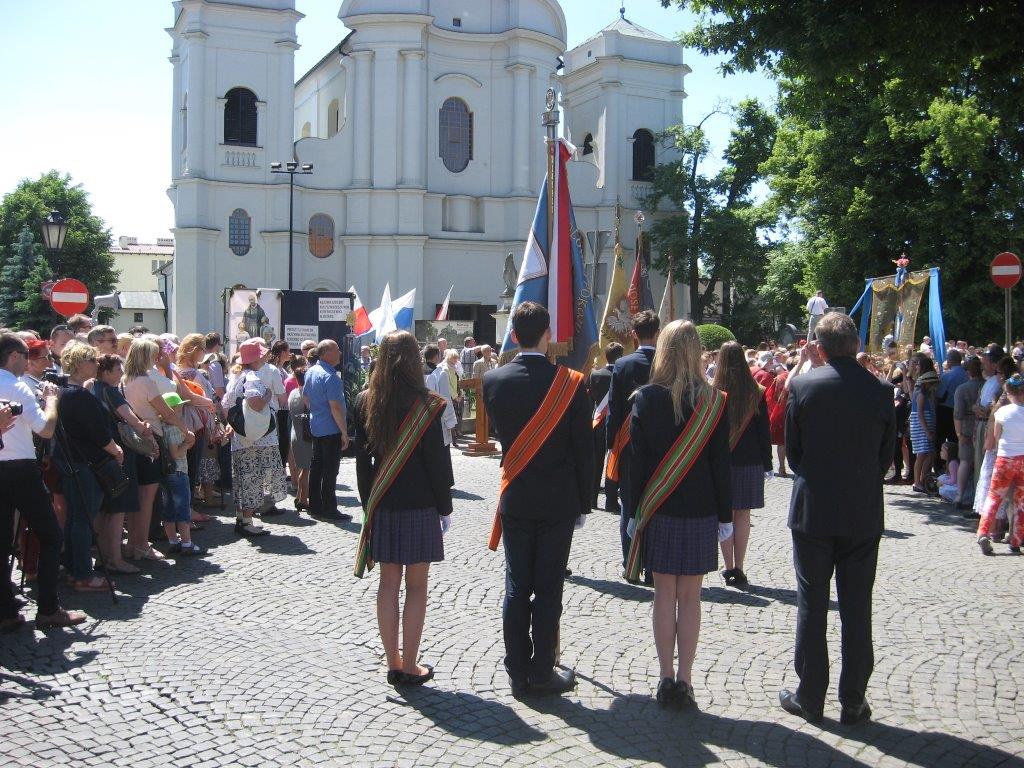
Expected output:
(714, 230)
(13, 276)
(900, 131)
(86, 253)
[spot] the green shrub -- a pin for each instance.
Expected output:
(712, 336)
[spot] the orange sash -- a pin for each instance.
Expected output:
(615, 452)
(534, 435)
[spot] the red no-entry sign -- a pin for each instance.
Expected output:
(69, 297)
(1005, 270)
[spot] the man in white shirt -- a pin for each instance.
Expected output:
(437, 381)
(816, 309)
(23, 489)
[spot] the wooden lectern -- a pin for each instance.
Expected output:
(482, 446)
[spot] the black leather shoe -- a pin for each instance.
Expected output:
(666, 692)
(520, 687)
(394, 676)
(855, 715)
(558, 682)
(405, 678)
(787, 700)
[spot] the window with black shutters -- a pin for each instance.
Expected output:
(643, 155)
(240, 117)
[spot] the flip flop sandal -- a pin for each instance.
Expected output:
(95, 584)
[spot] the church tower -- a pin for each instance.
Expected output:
(233, 112)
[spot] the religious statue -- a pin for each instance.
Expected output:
(253, 319)
(510, 275)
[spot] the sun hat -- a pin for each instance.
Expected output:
(252, 350)
(173, 399)
(764, 358)
(194, 388)
(36, 348)
(168, 346)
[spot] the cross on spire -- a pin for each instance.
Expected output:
(622, 11)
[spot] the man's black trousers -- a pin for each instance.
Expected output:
(323, 474)
(536, 554)
(854, 561)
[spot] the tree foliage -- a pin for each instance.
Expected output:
(86, 253)
(901, 129)
(713, 232)
(712, 336)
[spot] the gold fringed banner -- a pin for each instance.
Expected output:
(885, 304)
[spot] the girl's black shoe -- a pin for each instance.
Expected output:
(407, 679)
(666, 692)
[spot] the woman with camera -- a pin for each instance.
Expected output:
(84, 446)
(144, 388)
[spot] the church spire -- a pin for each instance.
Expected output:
(622, 11)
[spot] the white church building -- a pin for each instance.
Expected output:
(423, 129)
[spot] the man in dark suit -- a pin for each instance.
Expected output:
(541, 505)
(600, 382)
(629, 374)
(840, 433)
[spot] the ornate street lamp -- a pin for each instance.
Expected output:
(55, 229)
(291, 168)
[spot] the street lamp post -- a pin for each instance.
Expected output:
(291, 168)
(55, 229)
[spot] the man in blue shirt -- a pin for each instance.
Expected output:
(952, 378)
(324, 393)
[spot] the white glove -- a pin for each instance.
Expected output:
(631, 527)
(724, 531)
(580, 521)
(446, 524)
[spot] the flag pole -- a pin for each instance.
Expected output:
(550, 121)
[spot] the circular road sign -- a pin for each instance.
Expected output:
(1005, 270)
(70, 296)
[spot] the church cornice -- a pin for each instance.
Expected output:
(459, 76)
(490, 38)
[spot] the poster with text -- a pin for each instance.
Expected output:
(314, 315)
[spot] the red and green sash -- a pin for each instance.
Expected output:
(409, 434)
(615, 452)
(676, 464)
(534, 435)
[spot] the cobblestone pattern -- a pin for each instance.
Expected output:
(265, 653)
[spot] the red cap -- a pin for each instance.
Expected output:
(37, 348)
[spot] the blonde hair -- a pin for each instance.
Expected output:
(451, 356)
(677, 365)
(142, 355)
(192, 343)
(124, 340)
(74, 354)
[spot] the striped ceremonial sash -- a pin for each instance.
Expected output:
(615, 452)
(536, 432)
(676, 464)
(413, 427)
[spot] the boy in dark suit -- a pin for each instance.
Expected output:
(541, 504)
(629, 374)
(600, 383)
(840, 433)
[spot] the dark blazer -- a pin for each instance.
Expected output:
(558, 483)
(600, 382)
(840, 432)
(706, 491)
(754, 448)
(422, 482)
(630, 372)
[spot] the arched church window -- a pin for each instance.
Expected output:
(333, 118)
(240, 117)
(321, 235)
(588, 145)
(456, 135)
(643, 155)
(239, 232)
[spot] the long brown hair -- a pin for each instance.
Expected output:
(677, 365)
(395, 384)
(733, 377)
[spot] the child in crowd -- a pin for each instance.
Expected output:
(950, 455)
(177, 512)
(1008, 473)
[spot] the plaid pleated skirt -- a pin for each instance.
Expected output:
(748, 487)
(406, 536)
(681, 546)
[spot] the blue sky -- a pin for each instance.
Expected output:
(88, 91)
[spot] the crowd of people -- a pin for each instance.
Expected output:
(112, 443)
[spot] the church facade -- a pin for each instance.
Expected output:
(423, 130)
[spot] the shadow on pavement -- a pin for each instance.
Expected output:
(457, 494)
(614, 588)
(635, 728)
(465, 715)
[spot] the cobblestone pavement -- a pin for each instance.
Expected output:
(266, 653)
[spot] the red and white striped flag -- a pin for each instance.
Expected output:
(442, 313)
